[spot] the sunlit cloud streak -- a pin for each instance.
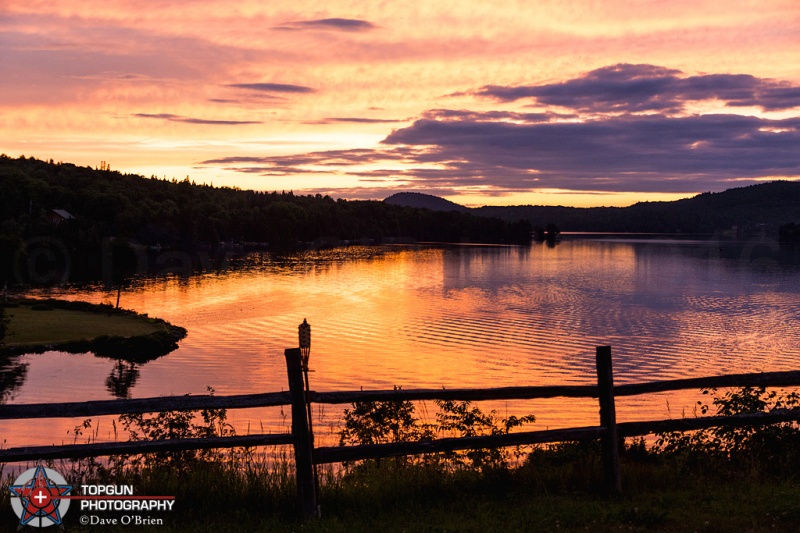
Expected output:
(328, 157)
(379, 191)
(190, 120)
(356, 120)
(492, 116)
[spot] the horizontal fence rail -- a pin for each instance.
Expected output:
(636, 429)
(501, 393)
(275, 399)
(307, 456)
(143, 405)
(138, 406)
(766, 379)
(79, 451)
(337, 454)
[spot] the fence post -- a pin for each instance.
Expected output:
(303, 447)
(608, 419)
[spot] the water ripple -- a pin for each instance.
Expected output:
(469, 317)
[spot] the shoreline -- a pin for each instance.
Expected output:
(139, 347)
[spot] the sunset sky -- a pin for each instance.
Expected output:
(541, 102)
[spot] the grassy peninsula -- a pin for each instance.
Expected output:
(39, 325)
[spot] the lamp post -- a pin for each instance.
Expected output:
(304, 334)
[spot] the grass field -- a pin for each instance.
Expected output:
(56, 326)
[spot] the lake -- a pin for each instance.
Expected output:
(444, 316)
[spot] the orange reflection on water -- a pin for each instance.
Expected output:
(431, 317)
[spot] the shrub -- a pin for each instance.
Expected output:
(761, 447)
(182, 424)
(395, 421)
(461, 419)
(382, 422)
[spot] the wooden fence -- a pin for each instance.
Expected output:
(307, 456)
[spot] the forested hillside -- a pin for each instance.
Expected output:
(183, 215)
(766, 206)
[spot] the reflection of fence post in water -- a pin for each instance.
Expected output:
(301, 432)
(608, 421)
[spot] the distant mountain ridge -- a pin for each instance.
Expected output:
(755, 208)
(424, 201)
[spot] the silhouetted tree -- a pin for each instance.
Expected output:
(3, 324)
(789, 234)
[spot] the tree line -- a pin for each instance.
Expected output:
(184, 215)
(745, 210)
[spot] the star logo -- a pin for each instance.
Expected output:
(36, 497)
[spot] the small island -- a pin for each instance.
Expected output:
(36, 326)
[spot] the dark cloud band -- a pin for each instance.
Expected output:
(649, 153)
(635, 88)
(627, 132)
(337, 24)
(274, 87)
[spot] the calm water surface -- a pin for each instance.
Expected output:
(461, 316)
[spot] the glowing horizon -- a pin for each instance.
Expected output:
(555, 103)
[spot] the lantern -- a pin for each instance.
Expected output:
(304, 332)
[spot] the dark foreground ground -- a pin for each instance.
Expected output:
(421, 500)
